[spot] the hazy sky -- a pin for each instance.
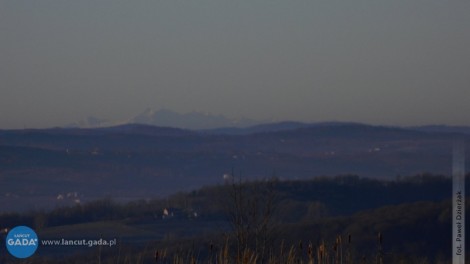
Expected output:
(400, 62)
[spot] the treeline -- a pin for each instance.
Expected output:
(295, 201)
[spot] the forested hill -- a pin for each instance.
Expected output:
(140, 161)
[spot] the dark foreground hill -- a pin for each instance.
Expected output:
(412, 216)
(64, 166)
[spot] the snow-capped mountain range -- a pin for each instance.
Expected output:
(168, 118)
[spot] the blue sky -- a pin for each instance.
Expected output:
(395, 62)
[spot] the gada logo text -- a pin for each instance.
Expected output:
(22, 242)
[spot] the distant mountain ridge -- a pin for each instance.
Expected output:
(192, 120)
(167, 118)
(219, 124)
(273, 127)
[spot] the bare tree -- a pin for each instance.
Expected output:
(250, 209)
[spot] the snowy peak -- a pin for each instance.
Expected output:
(192, 120)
